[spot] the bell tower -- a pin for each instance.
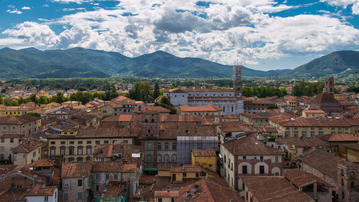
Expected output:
(237, 80)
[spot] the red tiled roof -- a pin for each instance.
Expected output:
(27, 146)
(273, 188)
(75, 170)
(206, 108)
(249, 146)
(41, 190)
(343, 137)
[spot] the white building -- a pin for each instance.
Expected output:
(229, 100)
(41, 193)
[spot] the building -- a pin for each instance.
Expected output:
(295, 147)
(105, 173)
(313, 113)
(7, 143)
(229, 100)
(248, 156)
(337, 143)
(76, 178)
(28, 151)
(23, 125)
(23, 109)
(311, 127)
(79, 147)
(208, 110)
(179, 174)
(41, 193)
(337, 172)
(206, 158)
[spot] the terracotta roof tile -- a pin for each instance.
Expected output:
(273, 188)
(249, 146)
(343, 137)
(206, 108)
(75, 170)
(28, 146)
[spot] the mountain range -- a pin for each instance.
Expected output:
(80, 62)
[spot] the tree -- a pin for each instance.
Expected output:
(156, 91)
(141, 91)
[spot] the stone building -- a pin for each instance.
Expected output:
(23, 125)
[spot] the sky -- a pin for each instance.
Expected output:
(261, 34)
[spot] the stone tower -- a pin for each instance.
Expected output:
(329, 85)
(237, 80)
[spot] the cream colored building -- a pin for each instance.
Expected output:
(311, 127)
(248, 156)
(27, 152)
(79, 147)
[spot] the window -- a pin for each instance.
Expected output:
(261, 169)
(52, 151)
(34, 154)
(149, 146)
(46, 198)
(66, 196)
(105, 142)
(125, 141)
(97, 176)
(63, 142)
(116, 177)
(79, 195)
(107, 176)
(53, 142)
(98, 142)
(261, 158)
(88, 150)
(174, 146)
(2, 140)
(79, 142)
(244, 170)
(72, 142)
(88, 142)
(62, 150)
(166, 146)
(159, 146)
(276, 159)
(304, 133)
(11, 140)
(244, 157)
(71, 150)
(79, 150)
(79, 183)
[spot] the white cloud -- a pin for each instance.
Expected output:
(25, 8)
(14, 11)
(345, 4)
(226, 31)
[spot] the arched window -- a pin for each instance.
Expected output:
(174, 158)
(159, 158)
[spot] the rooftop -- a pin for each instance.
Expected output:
(75, 170)
(249, 146)
(206, 108)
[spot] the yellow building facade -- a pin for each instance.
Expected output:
(206, 158)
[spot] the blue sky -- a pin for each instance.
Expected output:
(261, 34)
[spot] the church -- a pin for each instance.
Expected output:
(229, 100)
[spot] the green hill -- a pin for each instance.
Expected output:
(80, 62)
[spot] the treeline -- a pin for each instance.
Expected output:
(263, 91)
(81, 84)
(307, 88)
(81, 96)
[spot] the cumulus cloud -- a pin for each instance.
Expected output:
(224, 31)
(345, 4)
